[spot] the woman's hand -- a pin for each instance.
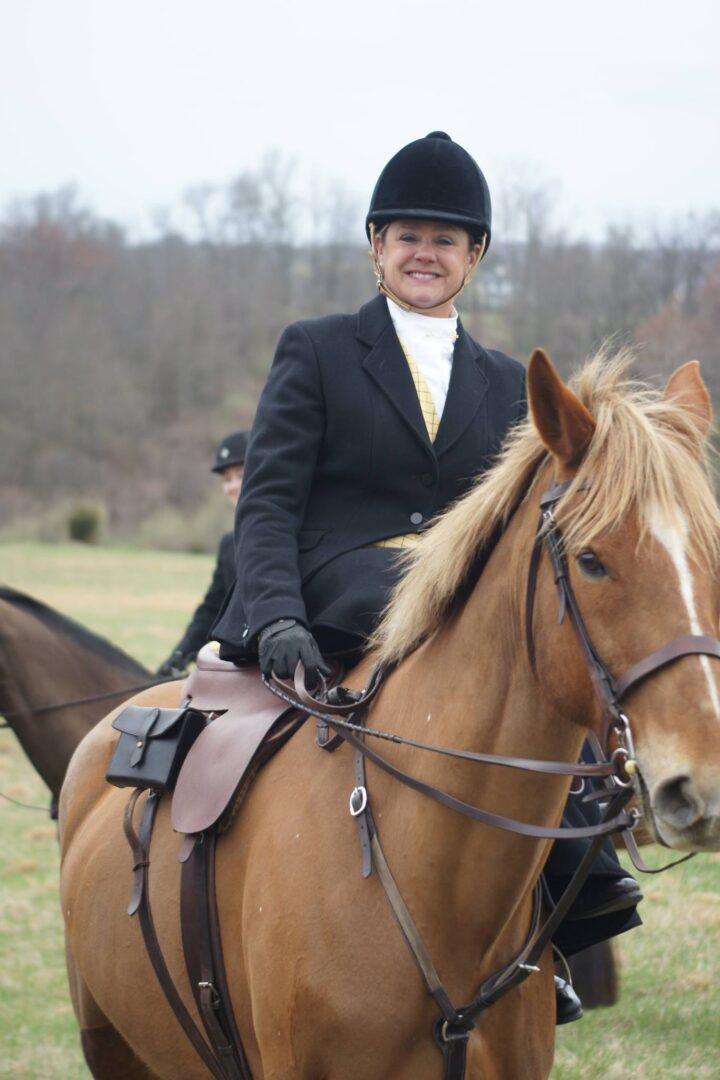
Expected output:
(285, 642)
(175, 667)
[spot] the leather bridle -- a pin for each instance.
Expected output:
(609, 689)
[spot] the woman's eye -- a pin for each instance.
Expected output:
(591, 565)
(408, 238)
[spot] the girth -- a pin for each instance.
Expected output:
(221, 1049)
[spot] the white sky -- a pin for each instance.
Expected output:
(619, 101)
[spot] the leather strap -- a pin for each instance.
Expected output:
(622, 821)
(203, 958)
(319, 709)
(140, 846)
(327, 705)
(686, 645)
(360, 810)
(216, 950)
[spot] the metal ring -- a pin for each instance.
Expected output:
(624, 733)
(617, 778)
(362, 792)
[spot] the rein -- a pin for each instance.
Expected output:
(352, 732)
(35, 710)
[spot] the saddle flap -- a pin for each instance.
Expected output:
(216, 765)
(220, 756)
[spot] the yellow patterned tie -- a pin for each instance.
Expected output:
(432, 423)
(427, 405)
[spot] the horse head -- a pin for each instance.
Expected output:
(640, 530)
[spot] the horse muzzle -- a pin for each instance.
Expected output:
(685, 809)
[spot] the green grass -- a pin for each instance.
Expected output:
(666, 1027)
(667, 1024)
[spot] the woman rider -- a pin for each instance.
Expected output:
(369, 425)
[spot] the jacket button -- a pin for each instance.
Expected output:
(416, 518)
(426, 479)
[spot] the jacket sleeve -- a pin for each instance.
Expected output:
(198, 630)
(279, 471)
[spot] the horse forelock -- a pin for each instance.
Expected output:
(644, 456)
(98, 647)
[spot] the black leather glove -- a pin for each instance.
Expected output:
(175, 666)
(282, 644)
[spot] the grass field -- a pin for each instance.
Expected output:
(667, 1026)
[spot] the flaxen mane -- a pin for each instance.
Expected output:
(643, 456)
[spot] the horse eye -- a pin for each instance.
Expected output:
(591, 565)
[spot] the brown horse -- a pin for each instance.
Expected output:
(321, 981)
(47, 660)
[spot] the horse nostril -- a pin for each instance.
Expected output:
(678, 803)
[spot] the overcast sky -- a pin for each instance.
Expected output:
(618, 102)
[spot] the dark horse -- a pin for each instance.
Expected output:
(47, 663)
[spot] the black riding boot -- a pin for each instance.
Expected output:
(568, 1006)
(606, 904)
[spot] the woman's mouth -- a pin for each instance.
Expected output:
(418, 275)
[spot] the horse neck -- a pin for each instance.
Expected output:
(38, 667)
(471, 687)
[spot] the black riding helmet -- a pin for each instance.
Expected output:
(231, 451)
(433, 179)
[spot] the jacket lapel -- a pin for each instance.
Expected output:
(466, 392)
(386, 365)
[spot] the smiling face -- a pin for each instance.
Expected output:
(425, 263)
(232, 479)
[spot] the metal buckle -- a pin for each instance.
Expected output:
(451, 1036)
(214, 996)
(361, 794)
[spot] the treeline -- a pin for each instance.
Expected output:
(123, 363)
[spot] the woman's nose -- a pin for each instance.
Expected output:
(425, 250)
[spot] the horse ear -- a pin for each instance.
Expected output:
(687, 387)
(563, 423)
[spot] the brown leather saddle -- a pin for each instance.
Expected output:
(250, 724)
